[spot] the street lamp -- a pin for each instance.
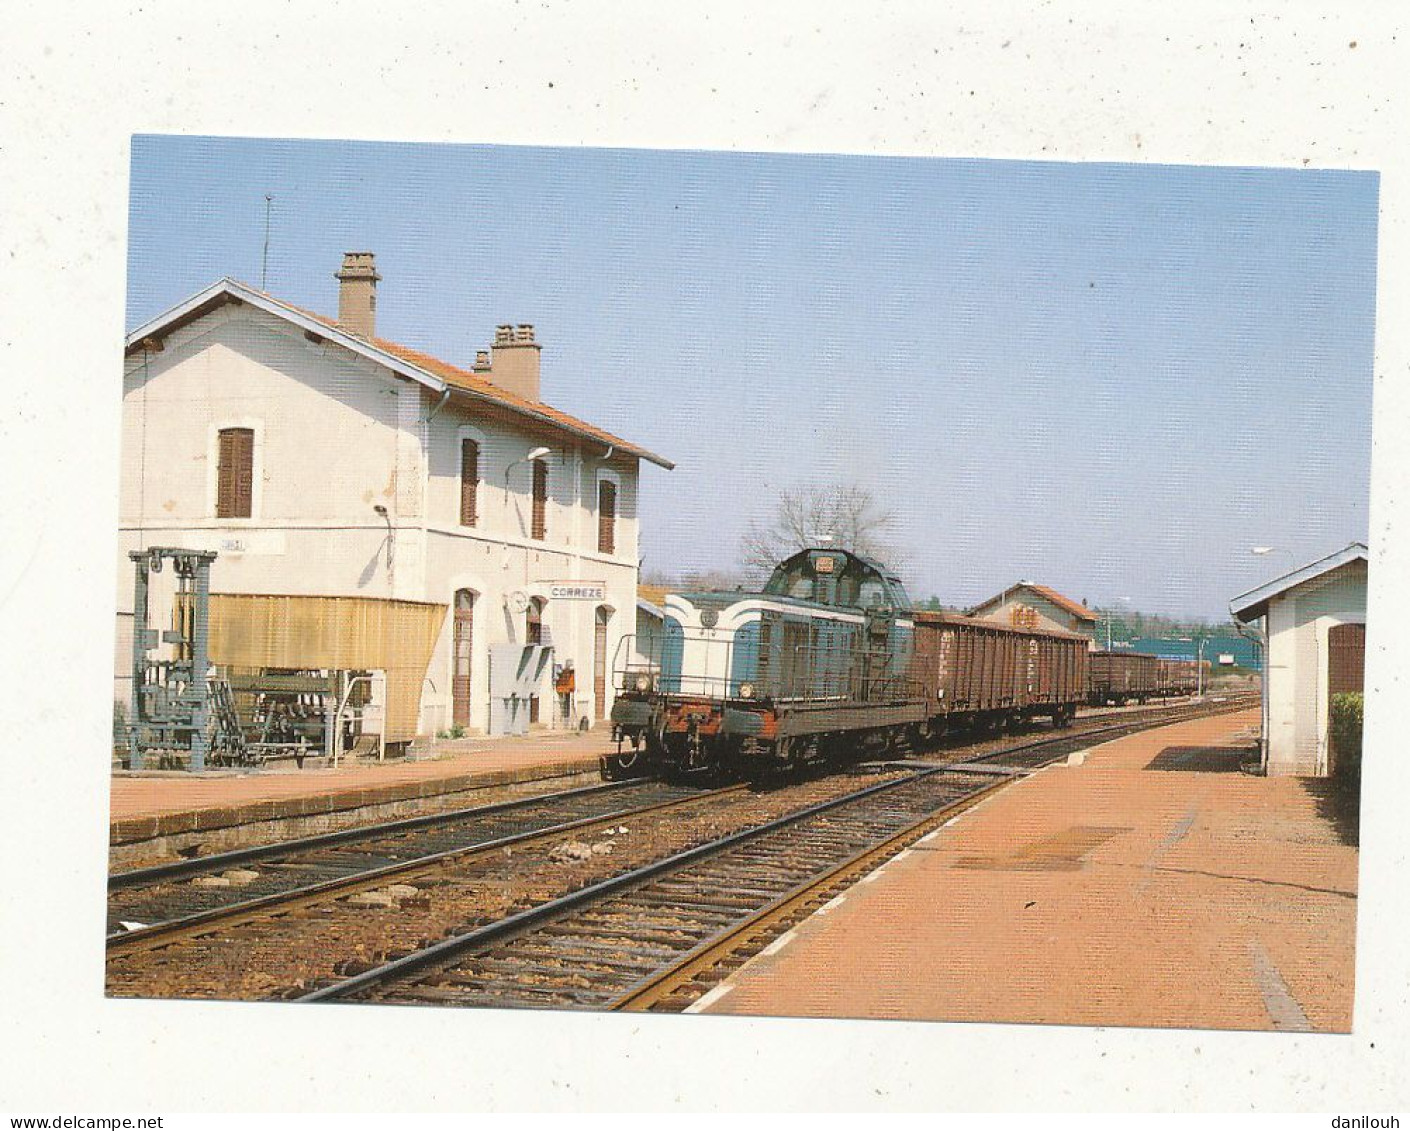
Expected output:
(381, 513)
(536, 453)
(1108, 622)
(1264, 551)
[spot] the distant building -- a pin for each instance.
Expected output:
(1220, 651)
(1314, 623)
(322, 461)
(1027, 605)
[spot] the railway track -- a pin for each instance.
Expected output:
(165, 901)
(148, 903)
(659, 936)
(302, 917)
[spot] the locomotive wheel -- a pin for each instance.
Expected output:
(789, 756)
(623, 764)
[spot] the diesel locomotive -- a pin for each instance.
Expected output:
(830, 659)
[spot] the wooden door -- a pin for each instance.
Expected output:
(1346, 658)
(463, 651)
(599, 666)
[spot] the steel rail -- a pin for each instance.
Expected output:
(501, 928)
(792, 905)
(178, 869)
(1188, 710)
(236, 914)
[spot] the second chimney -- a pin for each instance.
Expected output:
(515, 363)
(357, 294)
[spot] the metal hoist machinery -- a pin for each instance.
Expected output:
(176, 706)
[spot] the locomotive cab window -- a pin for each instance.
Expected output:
(872, 594)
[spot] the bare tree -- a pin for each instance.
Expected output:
(844, 515)
(694, 580)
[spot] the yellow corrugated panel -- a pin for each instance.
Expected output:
(349, 633)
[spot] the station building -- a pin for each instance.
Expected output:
(1026, 605)
(320, 461)
(1313, 622)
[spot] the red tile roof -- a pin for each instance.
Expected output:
(481, 386)
(432, 368)
(1067, 604)
(653, 594)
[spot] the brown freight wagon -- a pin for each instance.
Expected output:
(1177, 677)
(979, 672)
(1182, 677)
(1119, 677)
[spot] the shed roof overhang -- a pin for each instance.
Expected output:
(1250, 606)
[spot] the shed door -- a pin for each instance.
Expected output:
(464, 632)
(599, 665)
(1346, 658)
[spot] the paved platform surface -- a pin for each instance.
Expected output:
(143, 805)
(1153, 885)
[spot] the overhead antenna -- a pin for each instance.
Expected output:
(264, 265)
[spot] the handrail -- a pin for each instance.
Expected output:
(338, 723)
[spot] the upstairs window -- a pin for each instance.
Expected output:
(539, 528)
(606, 518)
(469, 481)
(235, 473)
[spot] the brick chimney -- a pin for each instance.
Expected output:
(514, 366)
(357, 293)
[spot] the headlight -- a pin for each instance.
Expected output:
(746, 691)
(643, 682)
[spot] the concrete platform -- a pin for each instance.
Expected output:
(1154, 884)
(157, 816)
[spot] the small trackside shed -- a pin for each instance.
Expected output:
(1313, 622)
(972, 668)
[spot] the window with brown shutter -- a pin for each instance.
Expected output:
(469, 481)
(539, 530)
(606, 518)
(235, 475)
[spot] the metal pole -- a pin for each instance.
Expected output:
(264, 265)
(139, 660)
(200, 634)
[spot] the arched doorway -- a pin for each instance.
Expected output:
(599, 663)
(533, 634)
(462, 652)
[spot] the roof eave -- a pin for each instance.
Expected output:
(545, 418)
(234, 289)
(163, 323)
(1248, 607)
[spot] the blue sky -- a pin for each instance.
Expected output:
(1111, 379)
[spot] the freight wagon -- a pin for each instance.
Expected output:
(1121, 677)
(829, 661)
(984, 674)
(1180, 677)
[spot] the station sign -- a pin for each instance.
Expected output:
(577, 590)
(1226, 659)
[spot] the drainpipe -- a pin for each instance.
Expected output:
(1260, 641)
(440, 404)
